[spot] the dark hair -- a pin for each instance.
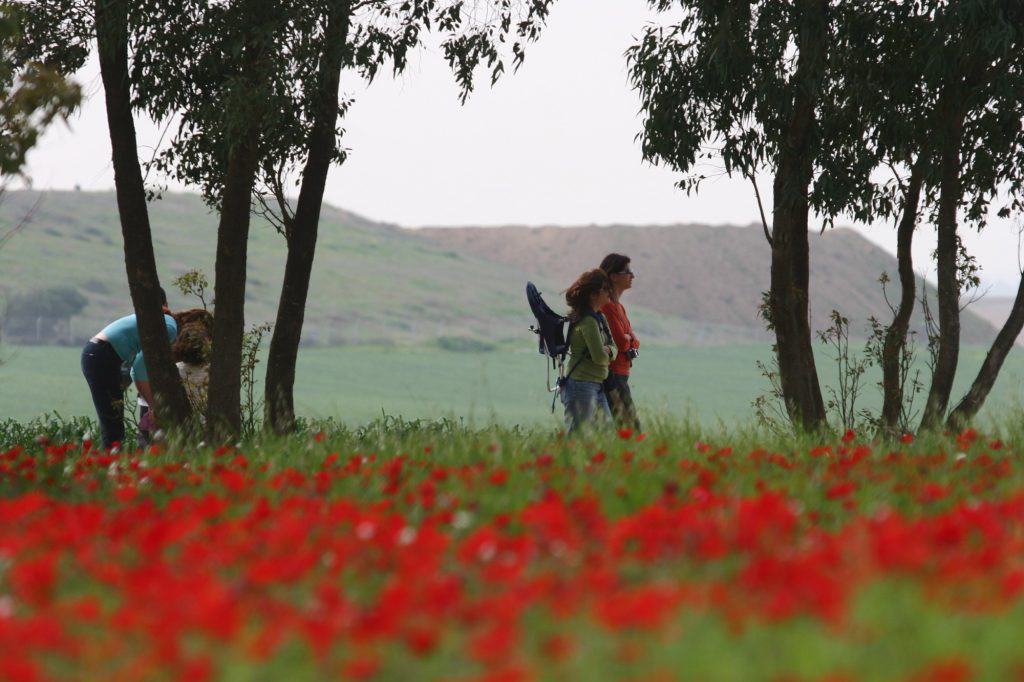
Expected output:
(192, 344)
(163, 296)
(199, 316)
(586, 285)
(614, 263)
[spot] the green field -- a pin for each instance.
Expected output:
(357, 383)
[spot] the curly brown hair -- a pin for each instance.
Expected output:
(200, 316)
(579, 293)
(192, 344)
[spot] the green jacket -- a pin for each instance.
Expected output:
(588, 335)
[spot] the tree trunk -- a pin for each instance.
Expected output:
(224, 409)
(975, 397)
(946, 257)
(302, 232)
(169, 398)
(896, 334)
(790, 273)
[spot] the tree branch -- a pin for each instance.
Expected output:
(760, 208)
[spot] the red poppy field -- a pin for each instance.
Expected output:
(448, 554)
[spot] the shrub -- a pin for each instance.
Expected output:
(59, 301)
(462, 344)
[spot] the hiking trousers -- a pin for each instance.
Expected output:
(620, 399)
(101, 366)
(585, 404)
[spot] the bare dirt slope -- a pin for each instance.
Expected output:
(705, 274)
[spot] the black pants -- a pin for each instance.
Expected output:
(620, 399)
(101, 366)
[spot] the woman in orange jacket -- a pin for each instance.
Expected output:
(616, 386)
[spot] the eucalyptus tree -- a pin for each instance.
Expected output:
(317, 137)
(113, 30)
(880, 101)
(875, 122)
(825, 94)
(255, 86)
(935, 87)
(973, 59)
(363, 37)
(211, 64)
(747, 79)
(943, 95)
(59, 33)
(991, 97)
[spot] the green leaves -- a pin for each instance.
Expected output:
(34, 95)
(716, 77)
(189, 58)
(723, 75)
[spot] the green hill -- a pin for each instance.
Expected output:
(372, 283)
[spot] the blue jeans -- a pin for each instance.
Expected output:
(584, 401)
(101, 366)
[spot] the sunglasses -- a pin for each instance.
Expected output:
(628, 273)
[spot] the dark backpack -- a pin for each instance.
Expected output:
(550, 327)
(553, 338)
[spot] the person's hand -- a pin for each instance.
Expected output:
(609, 351)
(148, 422)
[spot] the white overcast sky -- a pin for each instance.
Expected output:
(553, 144)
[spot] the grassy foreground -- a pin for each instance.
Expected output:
(425, 550)
(356, 384)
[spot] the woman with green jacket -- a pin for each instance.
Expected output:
(590, 351)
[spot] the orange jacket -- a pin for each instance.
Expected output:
(620, 327)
